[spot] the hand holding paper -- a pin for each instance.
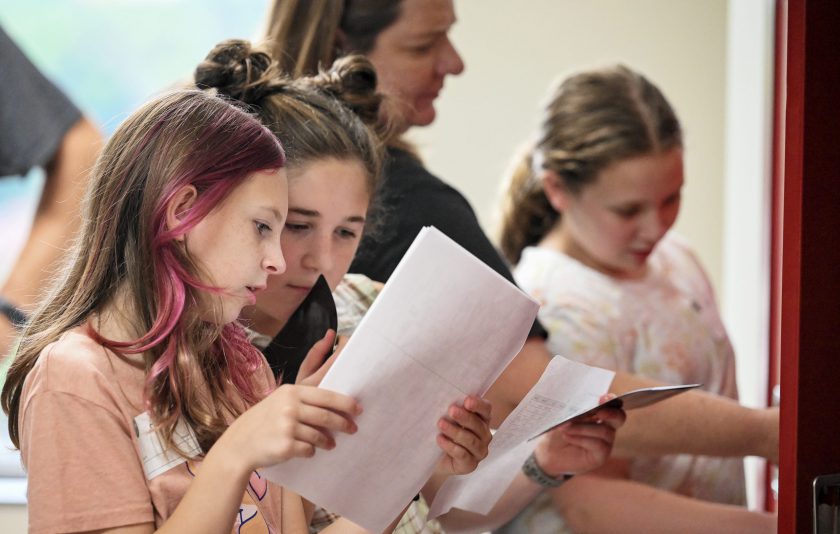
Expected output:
(465, 436)
(444, 327)
(581, 444)
(569, 395)
(562, 390)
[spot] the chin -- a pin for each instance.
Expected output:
(423, 118)
(230, 315)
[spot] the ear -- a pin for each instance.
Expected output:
(182, 201)
(555, 191)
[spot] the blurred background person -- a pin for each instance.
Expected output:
(40, 127)
(587, 219)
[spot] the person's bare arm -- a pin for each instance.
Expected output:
(592, 503)
(694, 422)
(517, 379)
(55, 224)
(517, 496)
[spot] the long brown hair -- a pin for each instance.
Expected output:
(592, 120)
(306, 35)
(181, 138)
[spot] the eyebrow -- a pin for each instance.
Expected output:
(312, 213)
(277, 215)
(429, 34)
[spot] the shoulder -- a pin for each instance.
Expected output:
(410, 198)
(556, 280)
(676, 261)
(74, 355)
(357, 287)
(406, 175)
(580, 309)
(353, 297)
(676, 252)
(77, 365)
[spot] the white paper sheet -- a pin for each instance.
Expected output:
(444, 326)
(565, 388)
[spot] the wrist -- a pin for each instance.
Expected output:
(532, 469)
(224, 452)
(551, 465)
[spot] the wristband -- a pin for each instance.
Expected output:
(15, 315)
(534, 472)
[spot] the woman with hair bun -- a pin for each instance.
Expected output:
(586, 220)
(330, 126)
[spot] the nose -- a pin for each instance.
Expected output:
(450, 61)
(273, 262)
(319, 255)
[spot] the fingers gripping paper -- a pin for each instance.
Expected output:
(444, 326)
(564, 388)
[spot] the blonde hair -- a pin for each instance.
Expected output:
(593, 119)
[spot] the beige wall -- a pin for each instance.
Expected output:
(513, 51)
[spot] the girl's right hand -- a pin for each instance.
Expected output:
(580, 445)
(291, 422)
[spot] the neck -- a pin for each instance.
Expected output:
(261, 322)
(559, 239)
(117, 320)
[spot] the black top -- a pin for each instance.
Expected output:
(409, 198)
(34, 113)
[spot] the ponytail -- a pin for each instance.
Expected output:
(526, 213)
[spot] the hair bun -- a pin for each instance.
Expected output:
(236, 69)
(352, 80)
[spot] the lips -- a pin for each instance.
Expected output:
(300, 288)
(642, 254)
(432, 96)
(252, 293)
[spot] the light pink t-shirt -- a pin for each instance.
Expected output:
(82, 456)
(665, 326)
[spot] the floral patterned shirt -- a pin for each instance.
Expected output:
(664, 326)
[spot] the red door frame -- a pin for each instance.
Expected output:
(805, 297)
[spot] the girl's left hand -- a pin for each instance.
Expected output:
(578, 446)
(316, 364)
(465, 436)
